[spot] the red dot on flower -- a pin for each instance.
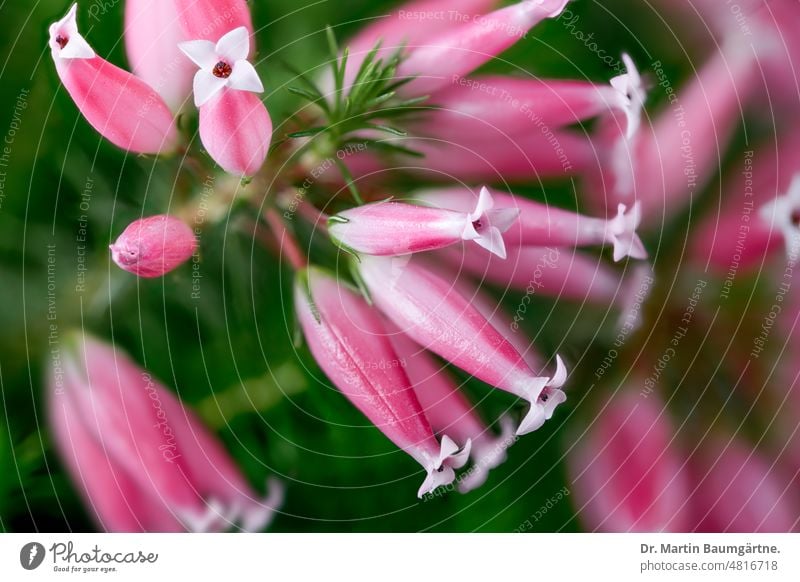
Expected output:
(222, 70)
(62, 41)
(795, 217)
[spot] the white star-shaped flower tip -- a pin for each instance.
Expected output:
(65, 40)
(632, 93)
(784, 211)
(222, 65)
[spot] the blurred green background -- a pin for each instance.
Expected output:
(230, 354)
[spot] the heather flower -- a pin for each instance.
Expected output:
(628, 470)
(397, 228)
(434, 314)
(144, 462)
(121, 107)
(235, 127)
(542, 225)
(347, 339)
(739, 490)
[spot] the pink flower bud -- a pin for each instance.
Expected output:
(434, 314)
(627, 472)
(740, 491)
(349, 342)
(154, 246)
(460, 50)
(451, 413)
(143, 462)
(235, 126)
(396, 228)
(543, 225)
(122, 108)
(155, 28)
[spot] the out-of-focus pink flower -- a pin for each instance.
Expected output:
(556, 272)
(739, 491)
(350, 344)
(142, 460)
(492, 158)
(409, 26)
(211, 19)
(510, 106)
(155, 28)
(154, 246)
(665, 165)
(459, 50)
(121, 107)
(397, 228)
(450, 412)
(235, 127)
(152, 35)
(434, 314)
(544, 225)
(627, 470)
(758, 209)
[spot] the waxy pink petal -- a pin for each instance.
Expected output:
(121, 107)
(236, 129)
(460, 50)
(396, 228)
(628, 471)
(350, 344)
(143, 461)
(154, 246)
(435, 315)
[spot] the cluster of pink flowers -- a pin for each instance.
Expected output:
(418, 259)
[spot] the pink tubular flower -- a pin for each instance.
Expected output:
(396, 228)
(493, 158)
(434, 314)
(154, 246)
(627, 472)
(461, 49)
(740, 491)
(510, 105)
(543, 225)
(665, 165)
(410, 25)
(144, 462)
(235, 127)
(155, 28)
(451, 413)
(758, 212)
(348, 340)
(555, 272)
(121, 107)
